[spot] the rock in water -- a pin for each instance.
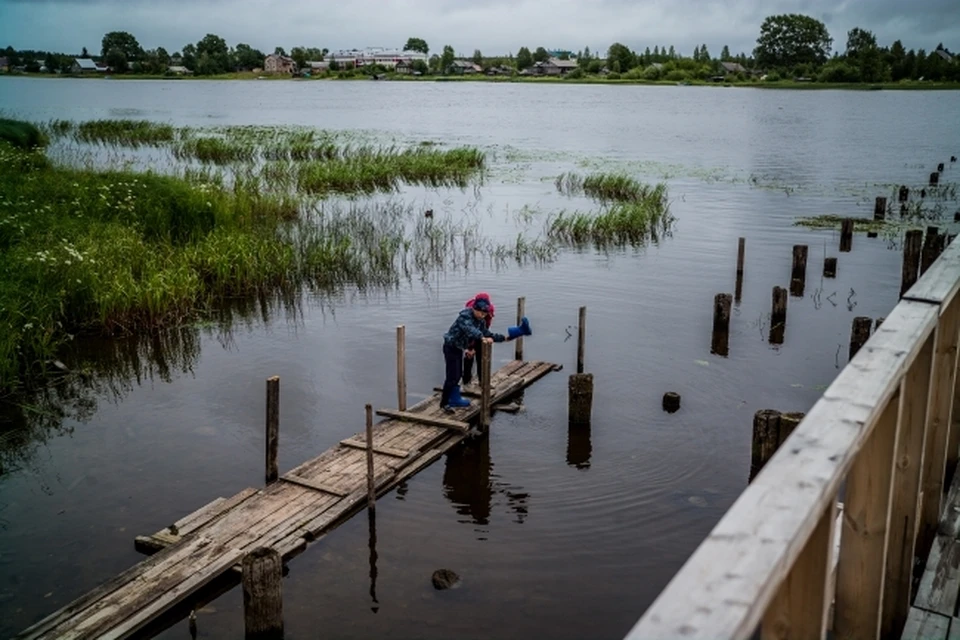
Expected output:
(445, 579)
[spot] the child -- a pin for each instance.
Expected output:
(471, 354)
(469, 325)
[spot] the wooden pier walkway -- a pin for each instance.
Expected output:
(301, 507)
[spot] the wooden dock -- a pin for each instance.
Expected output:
(299, 508)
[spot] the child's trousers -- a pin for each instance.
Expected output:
(454, 365)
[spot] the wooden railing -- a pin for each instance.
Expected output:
(883, 430)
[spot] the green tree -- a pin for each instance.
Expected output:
(696, 53)
(477, 57)
(299, 55)
(84, 53)
(524, 59)
(704, 54)
(620, 58)
(189, 57)
(583, 59)
(123, 42)
(672, 54)
(447, 58)
(247, 57)
(899, 70)
(417, 44)
(216, 53)
(725, 54)
(540, 55)
(280, 51)
(862, 54)
(419, 66)
(117, 60)
(788, 40)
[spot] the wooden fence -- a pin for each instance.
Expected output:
(781, 558)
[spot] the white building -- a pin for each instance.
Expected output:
(385, 57)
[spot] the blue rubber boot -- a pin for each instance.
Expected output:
(456, 400)
(515, 332)
(525, 326)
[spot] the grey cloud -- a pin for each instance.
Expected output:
(493, 26)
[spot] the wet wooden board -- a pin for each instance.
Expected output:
(925, 625)
(940, 583)
(305, 504)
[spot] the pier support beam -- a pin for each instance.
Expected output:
(273, 428)
(262, 598)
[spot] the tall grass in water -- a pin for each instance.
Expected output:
(22, 135)
(632, 222)
(605, 187)
(215, 150)
(131, 133)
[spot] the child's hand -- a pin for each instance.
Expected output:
(488, 340)
(469, 353)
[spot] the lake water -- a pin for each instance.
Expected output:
(557, 533)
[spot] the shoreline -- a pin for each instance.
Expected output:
(781, 84)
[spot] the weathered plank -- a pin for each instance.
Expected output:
(428, 420)
(190, 523)
(725, 586)
(940, 283)
(313, 484)
(954, 633)
(950, 517)
(940, 583)
(387, 451)
(925, 625)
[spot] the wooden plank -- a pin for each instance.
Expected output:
(950, 519)
(940, 583)
(939, 420)
(863, 534)
(417, 417)
(940, 282)
(954, 633)
(725, 586)
(190, 523)
(312, 484)
(387, 451)
(799, 610)
(904, 506)
(925, 625)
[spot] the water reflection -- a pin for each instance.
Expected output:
(470, 484)
(579, 446)
(372, 531)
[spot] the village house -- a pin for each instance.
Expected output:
(554, 67)
(387, 58)
(4, 65)
(179, 70)
(275, 63)
(84, 65)
(732, 67)
(312, 67)
(943, 54)
(464, 67)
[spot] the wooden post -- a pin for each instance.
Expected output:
(911, 260)
(829, 267)
(778, 315)
(766, 439)
(518, 343)
(581, 338)
(402, 368)
(798, 273)
(846, 235)
(859, 334)
(914, 390)
(934, 179)
(486, 352)
(741, 250)
(940, 168)
(721, 324)
(262, 596)
(371, 490)
(880, 208)
(930, 250)
(863, 539)
(579, 446)
(273, 428)
(580, 398)
(904, 193)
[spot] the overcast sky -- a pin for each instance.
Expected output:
(493, 26)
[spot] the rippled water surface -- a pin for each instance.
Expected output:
(557, 532)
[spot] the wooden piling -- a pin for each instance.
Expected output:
(778, 315)
(580, 398)
(671, 402)
(911, 260)
(402, 368)
(487, 354)
(766, 439)
(859, 334)
(829, 267)
(880, 208)
(518, 343)
(371, 489)
(721, 324)
(581, 338)
(877, 323)
(904, 193)
(798, 272)
(741, 250)
(940, 168)
(930, 250)
(846, 235)
(262, 596)
(273, 428)
(934, 179)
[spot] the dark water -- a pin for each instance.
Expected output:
(555, 533)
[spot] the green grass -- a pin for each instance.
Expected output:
(22, 135)
(132, 133)
(215, 150)
(605, 187)
(633, 222)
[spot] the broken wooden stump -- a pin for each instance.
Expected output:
(911, 260)
(273, 429)
(846, 235)
(859, 334)
(880, 208)
(741, 249)
(904, 194)
(771, 429)
(829, 267)
(930, 250)
(580, 398)
(934, 179)
(719, 343)
(262, 597)
(798, 271)
(671, 402)
(778, 315)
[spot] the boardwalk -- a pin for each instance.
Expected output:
(299, 508)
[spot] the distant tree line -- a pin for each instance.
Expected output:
(789, 46)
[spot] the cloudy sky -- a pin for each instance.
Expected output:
(493, 26)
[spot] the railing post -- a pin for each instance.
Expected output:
(799, 608)
(863, 535)
(914, 392)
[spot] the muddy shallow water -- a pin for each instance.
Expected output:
(555, 532)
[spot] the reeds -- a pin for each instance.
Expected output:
(130, 133)
(634, 222)
(605, 187)
(22, 135)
